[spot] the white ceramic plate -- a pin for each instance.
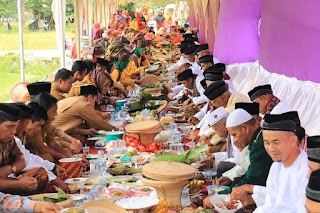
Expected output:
(75, 181)
(134, 203)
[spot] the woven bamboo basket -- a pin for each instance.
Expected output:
(168, 178)
(144, 130)
(167, 190)
(145, 139)
(153, 90)
(149, 79)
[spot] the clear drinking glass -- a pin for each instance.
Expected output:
(185, 197)
(86, 150)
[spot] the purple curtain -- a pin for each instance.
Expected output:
(237, 38)
(290, 38)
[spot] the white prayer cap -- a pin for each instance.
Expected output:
(182, 61)
(238, 117)
(216, 116)
(280, 108)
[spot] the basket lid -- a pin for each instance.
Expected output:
(142, 126)
(167, 170)
(149, 79)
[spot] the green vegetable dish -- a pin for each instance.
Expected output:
(56, 198)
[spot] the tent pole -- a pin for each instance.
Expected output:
(77, 27)
(62, 33)
(20, 13)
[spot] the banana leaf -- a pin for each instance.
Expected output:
(185, 157)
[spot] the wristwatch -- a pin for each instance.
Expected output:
(13, 169)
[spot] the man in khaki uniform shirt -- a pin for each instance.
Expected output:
(74, 111)
(62, 83)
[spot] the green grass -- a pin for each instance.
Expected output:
(34, 70)
(38, 40)
(10, 72)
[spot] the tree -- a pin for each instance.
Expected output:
(69, 8)
(8, 8)
(39, 8)
(153, 4)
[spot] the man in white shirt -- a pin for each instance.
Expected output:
(242, 159)
(287, 179)
(259, 192)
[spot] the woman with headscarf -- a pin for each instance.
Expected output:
(125, 70)
(138, 55)
(104, 84)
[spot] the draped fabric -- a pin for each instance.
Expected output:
(302, 96)
(290, 33)
(237, 34)
(201, 26)
(213, 7)
(57, 7)
(192, 15)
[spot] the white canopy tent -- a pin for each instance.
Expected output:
(86, 12)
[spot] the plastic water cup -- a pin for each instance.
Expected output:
(211, 189)
(185, 197)
(86, 150)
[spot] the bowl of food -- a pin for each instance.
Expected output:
(114, 135)
(76, 181)
(140, 159)
(142, 190)
(222, 204)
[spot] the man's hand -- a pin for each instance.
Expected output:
(75, 146)
(203, 140)
(46, 207)
(187, 92)
(207, 203)
(60, 171)
(138, 82)
(223, 181)
(105, 115)
(208, 162)
(193, 120)
(191, 106)
(239, 192)
(61, 184)
(27, 183)
(90, 132)
(85, 163)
